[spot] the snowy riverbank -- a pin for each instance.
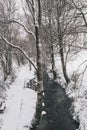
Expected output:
(20, 104)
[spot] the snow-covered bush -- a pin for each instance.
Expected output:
(78, 92)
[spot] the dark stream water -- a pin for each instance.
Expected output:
(57, 105)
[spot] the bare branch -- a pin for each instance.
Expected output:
(79, 47)
(80, 10)
(71, 45)
(20, 49)
(26, 15)
(31, 8)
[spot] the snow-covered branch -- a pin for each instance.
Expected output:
(25, 28)
(20, 49)
(22, 25)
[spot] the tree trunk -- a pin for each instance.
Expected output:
(9, 60)
(62, 59)
(51, 42)
(3, 63)
(60, 40)
(38, 110)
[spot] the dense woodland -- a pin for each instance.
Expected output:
(45, 34)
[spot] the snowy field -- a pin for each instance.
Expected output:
(20, 104)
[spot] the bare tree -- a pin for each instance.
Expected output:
(7, 9)
(37, 24)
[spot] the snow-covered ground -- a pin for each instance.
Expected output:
(20, 104)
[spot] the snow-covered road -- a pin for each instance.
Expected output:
(20, 105)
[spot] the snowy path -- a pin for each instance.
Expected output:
(20, 103)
